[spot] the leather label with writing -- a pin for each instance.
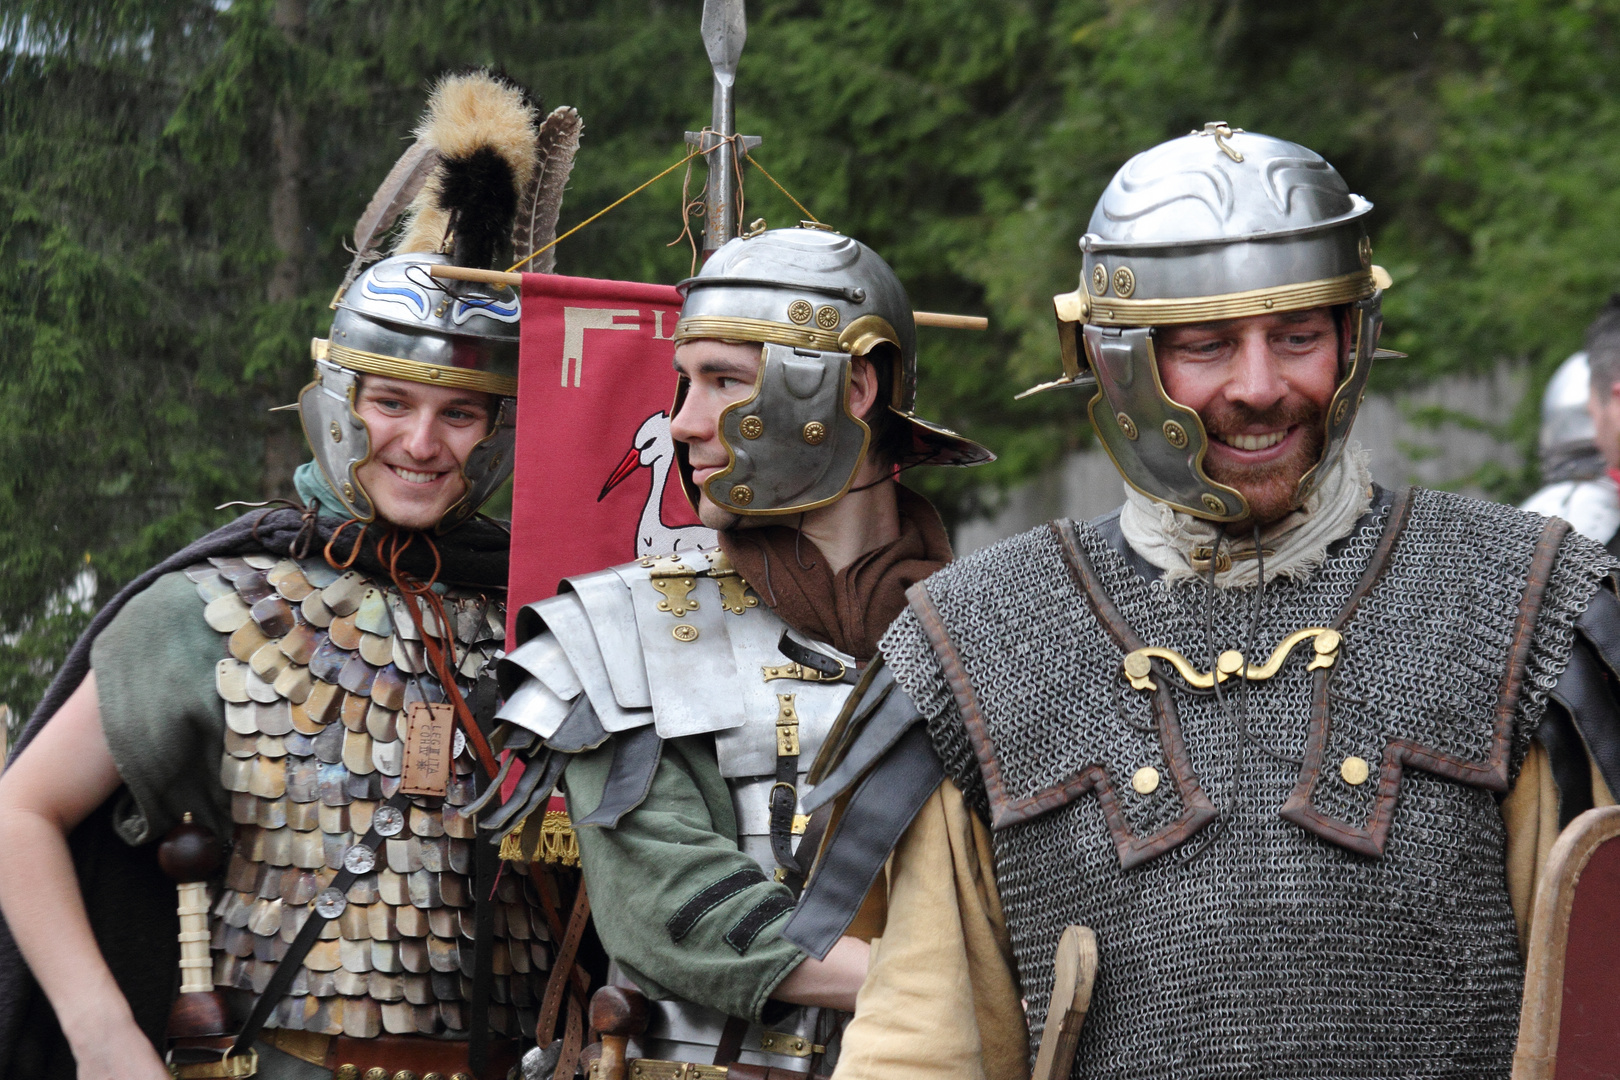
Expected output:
(428, 732)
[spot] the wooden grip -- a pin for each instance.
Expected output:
(501, 277)
(951, 322)
(1074, 971)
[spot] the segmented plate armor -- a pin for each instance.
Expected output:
(321, 667)
(1255, 948)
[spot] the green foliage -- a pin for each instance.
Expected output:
(150, 311)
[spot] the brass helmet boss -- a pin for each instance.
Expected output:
(1218, 224)
(815, 300)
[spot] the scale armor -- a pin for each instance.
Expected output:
(682, 645)
(313, 742)
(1239, 937)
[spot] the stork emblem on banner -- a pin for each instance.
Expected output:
(653, 449)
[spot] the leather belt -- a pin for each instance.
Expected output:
(654, 1069)
(387, 1056)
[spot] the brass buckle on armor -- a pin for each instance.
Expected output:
(788, 1045)
(227, 1066)
(802, 672)
(787, 727)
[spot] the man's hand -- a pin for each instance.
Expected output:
(831, 983)
(119, 1054)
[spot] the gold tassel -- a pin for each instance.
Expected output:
(512, 843)
(547, 837)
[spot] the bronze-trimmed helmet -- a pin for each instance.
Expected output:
(815, 300)
(399, 321)
(1219, 224)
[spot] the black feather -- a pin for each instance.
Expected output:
(479, 193)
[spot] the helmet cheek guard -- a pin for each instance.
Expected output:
(337, 434)
(489, 463)
(793, 443)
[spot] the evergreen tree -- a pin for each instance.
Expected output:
(177, 179)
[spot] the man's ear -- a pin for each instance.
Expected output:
(863, 386)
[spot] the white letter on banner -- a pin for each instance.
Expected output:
(577, 320)
(658, 326)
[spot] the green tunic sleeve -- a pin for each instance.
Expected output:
(678, 843)
(162, 717)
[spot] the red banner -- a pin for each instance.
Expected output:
(595, 484)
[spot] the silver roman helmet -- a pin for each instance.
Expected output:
(1567, 445)
(1219, 224)
(484, 168)
(815, 300)
(396, 320)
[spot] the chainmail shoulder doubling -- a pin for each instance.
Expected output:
(906, 650)
(1255, 946)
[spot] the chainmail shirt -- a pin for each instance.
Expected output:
(1254, 946)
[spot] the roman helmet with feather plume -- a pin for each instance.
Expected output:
(484, 168)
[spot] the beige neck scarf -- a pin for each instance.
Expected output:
(1294, 546)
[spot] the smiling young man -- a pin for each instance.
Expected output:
(272, 685)
(680, 699)
(1291, 745)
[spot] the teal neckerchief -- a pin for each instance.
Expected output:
(311, 485)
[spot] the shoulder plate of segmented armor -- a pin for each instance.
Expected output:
(682, 643)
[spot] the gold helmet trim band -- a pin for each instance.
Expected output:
(398, 367)
(1345, 289)
(733, 328)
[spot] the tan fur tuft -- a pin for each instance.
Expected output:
(466, 113)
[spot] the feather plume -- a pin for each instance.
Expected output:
(393, 195)
(483, 128)
(536, 226)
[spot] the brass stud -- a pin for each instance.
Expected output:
(433, 1076)
(1124, 282)
(1229, 662)
(1127, 426)
(348, 490)
(1213, 504)
(752, 427)
(1145, 780)
(337, 432)
(1339, 410)
(404, 1074)
(815, 433)
(1099, 279)
(461, 1076)
(1354, 771)
(827, 317)
(377, 1073)
(800, 311)
(1175, 434)
(741, 495)
(685, 632)
(346, 1072)
(1364, 249)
